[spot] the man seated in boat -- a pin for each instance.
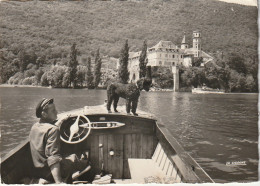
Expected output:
(45, 147)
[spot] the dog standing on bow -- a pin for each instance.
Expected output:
(130, 92)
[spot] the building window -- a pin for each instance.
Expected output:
(160, 62)
(166, 55)
(181, 56)
(173, 63)
(173, 56)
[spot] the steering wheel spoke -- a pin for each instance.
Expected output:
(85, 125)
(76, 132)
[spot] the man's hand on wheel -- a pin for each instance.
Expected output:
(63, 118)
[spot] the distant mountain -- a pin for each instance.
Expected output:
(50, 28)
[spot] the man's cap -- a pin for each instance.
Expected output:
(43, 103)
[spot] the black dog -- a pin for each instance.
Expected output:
(130, 92)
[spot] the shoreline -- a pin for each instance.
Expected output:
(152, 90)
(26, 86)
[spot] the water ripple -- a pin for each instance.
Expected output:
(213, 129)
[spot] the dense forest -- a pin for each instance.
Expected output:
(231, 74)
(36, 40)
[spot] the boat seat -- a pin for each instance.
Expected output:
(159, 169)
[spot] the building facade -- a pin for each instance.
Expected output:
(166, 53)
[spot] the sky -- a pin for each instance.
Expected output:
(243, 2)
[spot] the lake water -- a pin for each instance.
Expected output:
(213, 128)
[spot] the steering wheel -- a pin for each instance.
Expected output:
(75, 130)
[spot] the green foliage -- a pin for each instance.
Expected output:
(56, 76)
(59, 77)
(26, 58)
(8, 69)
(222, 75)
(44, 80)
(123, 74)
(38, 75)
(236, 63)
(33, 39)
(73, 63)
(54, 37)
(149, 72)
(196, 62)
(40, 61)
(17, 78)
(81, 71)
(142, 61)
(30, 72)
(90, 78)
(97, 70)
(212, 76)
(66, 79)
(163, 77)
(193, 76)
(29, 81)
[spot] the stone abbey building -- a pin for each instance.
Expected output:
(166, 53)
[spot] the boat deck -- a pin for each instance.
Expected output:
(101, 109)
(143, 151)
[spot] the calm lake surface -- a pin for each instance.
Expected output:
(213, 128)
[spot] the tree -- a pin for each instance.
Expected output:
(80, 75)
(89, 74)
(236, 62)
(211, 72)
(73, 63)
(40, 61)
(143, 61)
(26, 58)
(196, 62)
(123, 74)
(23, 61)
(223, 75)
(249, 83)
(57, 75)
(44, 80)
(97, 70)
(66, 79)
(38, 75)
(149, 72)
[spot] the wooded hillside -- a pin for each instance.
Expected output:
(48, 29)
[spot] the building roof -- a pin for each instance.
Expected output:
(204, 54)
(171, 45)
(164, 44)
(188, 50)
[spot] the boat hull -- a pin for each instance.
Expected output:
(138, 139)
(202, 91)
